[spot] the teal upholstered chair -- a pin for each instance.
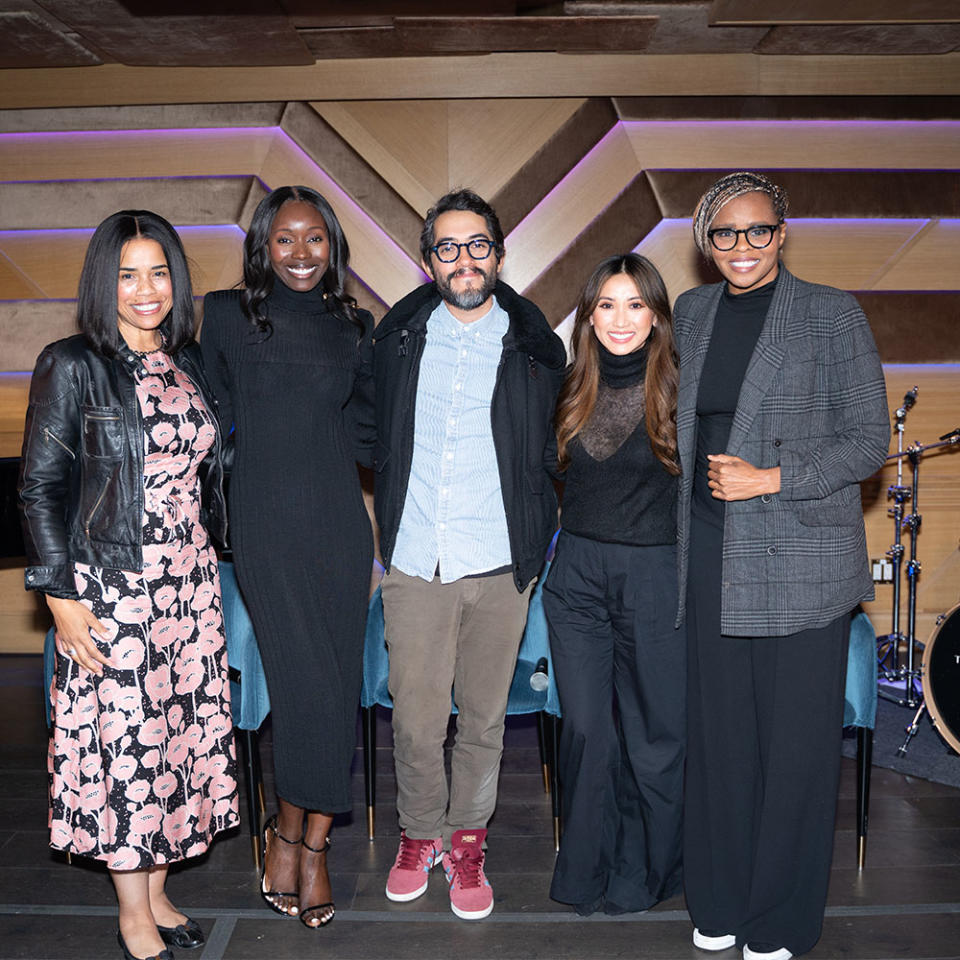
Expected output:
(523, 698)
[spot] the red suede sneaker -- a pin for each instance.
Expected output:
(410, 872)
(471, 896)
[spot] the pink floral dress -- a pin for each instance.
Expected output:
(142, 763)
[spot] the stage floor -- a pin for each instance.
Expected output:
(905, 904)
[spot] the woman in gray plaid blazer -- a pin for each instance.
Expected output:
(781, 413)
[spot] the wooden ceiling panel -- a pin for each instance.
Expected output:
(740, 12)
(787, 108)
(880, 40)
(254, 34)
(332, 13)
(27, 40)
(685, 28)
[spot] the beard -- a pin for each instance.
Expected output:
(471, 298)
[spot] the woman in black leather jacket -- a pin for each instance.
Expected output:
(120, 480)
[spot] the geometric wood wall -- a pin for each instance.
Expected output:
(875, 210)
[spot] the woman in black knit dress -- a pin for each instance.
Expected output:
(284, 359)
(611, 599)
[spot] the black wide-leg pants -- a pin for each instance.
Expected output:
(619, 665)
(765, 716)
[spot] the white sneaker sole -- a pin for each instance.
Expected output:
(472, 914)
(782, 954)
(724, 942)
(419, 892)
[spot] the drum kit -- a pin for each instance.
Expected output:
(934, 688)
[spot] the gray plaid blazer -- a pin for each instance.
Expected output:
(813, 402)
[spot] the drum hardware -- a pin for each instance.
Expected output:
(891, 669)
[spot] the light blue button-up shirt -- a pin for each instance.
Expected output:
(453, 514)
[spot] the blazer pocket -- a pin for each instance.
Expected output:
(381, 454)
(103, 432)
(829, 515)
(536, 479)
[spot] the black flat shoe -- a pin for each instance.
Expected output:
(127, 955)
(186, 936)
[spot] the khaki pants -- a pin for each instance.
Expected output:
(465, 636)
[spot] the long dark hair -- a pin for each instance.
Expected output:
(258, 275)
(97, 294)
(578, 395)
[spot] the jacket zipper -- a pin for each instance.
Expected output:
(101, 416)
(95, 508)
(52, 436)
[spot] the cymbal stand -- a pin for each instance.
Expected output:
(890, 667)
(912, 522)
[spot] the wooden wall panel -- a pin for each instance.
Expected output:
(590, 187)
(836, 145)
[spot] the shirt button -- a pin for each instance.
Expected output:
(765, 498)
(463, 353)
(457, 386)
(451, 422)
(444, 491)
(449, 456)
(772, 550)
(442, 526)
(776, 443)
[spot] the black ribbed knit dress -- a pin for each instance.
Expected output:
(301, 536)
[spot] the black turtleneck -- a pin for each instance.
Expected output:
(616, 490)
(736, 329)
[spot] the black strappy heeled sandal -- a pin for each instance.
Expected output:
(307, 911)
(271, 827)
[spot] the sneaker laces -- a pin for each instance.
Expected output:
(408, 856)
(467, 865)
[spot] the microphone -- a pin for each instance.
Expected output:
(951, 435)
(910, 398)
(539, 680)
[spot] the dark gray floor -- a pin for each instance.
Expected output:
(905, 904)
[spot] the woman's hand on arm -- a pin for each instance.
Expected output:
(73, 623)
(732, 478)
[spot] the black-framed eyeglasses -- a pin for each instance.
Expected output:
(448, 251)
(758, 236)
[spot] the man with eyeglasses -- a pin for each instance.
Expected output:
(467, 374)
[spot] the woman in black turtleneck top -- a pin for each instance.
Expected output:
(611, 599)
(284, 359)
(781, 410)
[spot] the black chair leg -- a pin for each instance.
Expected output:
(553, 748)
(864, 758)
(542, 743)
(369, 725)
(253, 781)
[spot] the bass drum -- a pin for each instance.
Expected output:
(940, 672)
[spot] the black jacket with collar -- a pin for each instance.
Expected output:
(521, 416)
(81, 473)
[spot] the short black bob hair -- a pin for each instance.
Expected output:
(97, 295)
(461, 200)
(258, 273)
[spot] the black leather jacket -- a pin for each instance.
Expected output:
(81, 473)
